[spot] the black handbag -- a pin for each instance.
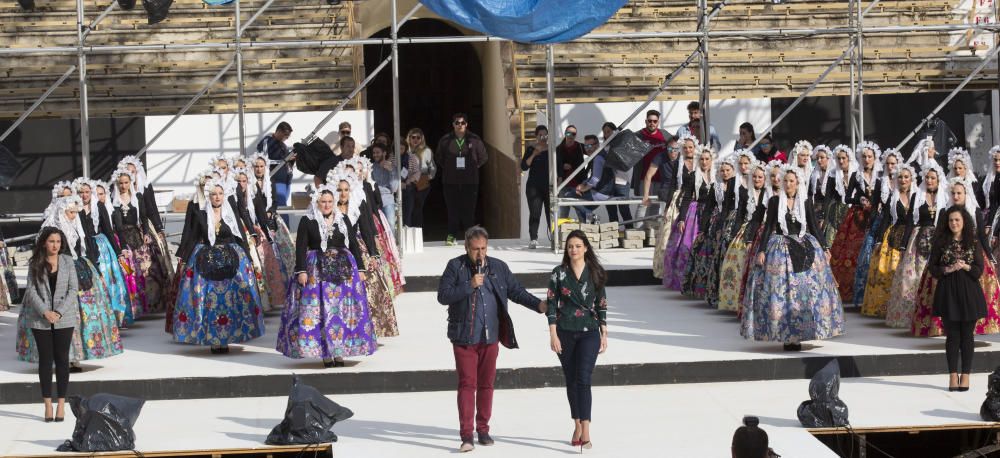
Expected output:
(84, 277)
(335, 267)
(218, 262)
(801, 253)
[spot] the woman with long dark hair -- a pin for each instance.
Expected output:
(536, 190)
(956, 261)
(578, 326)
(52, 311)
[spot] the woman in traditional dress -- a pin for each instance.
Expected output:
(990, 200)
(877, 220)
(837, 183)
(732, 197)
(96, 336)
(685, 226)
(931, 198)
(327, 315)
(103, 250)
(696, 270)
(273, 226)
(126, 218)
(218, 302)
(379, 280)
(773, 173)
(896, 226)
(851, 232)
(818, 182)
(256, 242)
(791, 294)
(384, 237)
(732, 271)
(195, 206)
(154, 262)
(666, 222)
(803, 157)
(923, 156)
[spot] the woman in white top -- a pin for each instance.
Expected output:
(428, 170)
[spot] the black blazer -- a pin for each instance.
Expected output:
(199, 235)
(308, 238)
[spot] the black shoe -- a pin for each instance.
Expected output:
(339, 363)
(216, 351)
(963, 388)
(75, 369)
(224, 350)
(793, 347)
(485, 439)
(328, 364)
(49, 419)
(59, 419)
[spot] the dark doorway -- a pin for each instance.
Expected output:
(435, 81)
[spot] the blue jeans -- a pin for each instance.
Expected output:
(582, 212)
(389, 209)
(282, 191)
(578, 358)
(620, 190)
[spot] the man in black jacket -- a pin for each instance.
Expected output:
(476, 289)
(460, 154)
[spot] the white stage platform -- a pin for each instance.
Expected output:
(658, 420)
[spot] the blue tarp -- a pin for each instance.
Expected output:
(528, 21)
(217, 2)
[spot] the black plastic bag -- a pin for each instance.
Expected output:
(990, 411)
(27, 4)
(309, 157)
(157, 10)
(126, 5)
(103, 423)
(824, 409)
(626, 150)
(308, 417)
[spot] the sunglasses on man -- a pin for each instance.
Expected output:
(570, 134)
(460, 123)
(652, 121)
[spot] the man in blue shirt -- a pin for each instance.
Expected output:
(693, 128)
(274, 146)
(603, 183)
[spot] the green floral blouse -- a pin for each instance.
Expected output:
(575, 305)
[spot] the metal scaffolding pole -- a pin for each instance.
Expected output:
(239, 79)
(38, 102)
(292, 44)
(187, 107)
(550, 110)
(81, 57)
(986, 60)
(802, 96)
(703, 93)
(395, 129)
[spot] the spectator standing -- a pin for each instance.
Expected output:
(343, 130)
(381, 138)
(569, 156)
(347, 146)
(766, 151)
(428, 170)
(746, 138)
(693, 128)
(410, 174)
(658, 138)
(277, 152)
(536, 190)
(664, 164)
(386, 177)
(460, 154)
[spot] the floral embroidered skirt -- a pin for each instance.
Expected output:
(699, 267)
(114, 277)
(721, 238)
(748, 267)
(787, 306)
(326, 320)
(884, 261)
(95, 336)
(389, 253)
(284, 246)
(845, 249)
(135, 285)
(662, 236)
(678, 251)
(378, 286)
(8, 282)
(210, 312)
(835, 213)
(899, 311)
(275, 277)
(155, 269)
(864, 262)
(731, 272)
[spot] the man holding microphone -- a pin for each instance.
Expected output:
(476, 289)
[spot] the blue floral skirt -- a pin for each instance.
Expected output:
(222, 312)
(114, 277)
(782, 305)
(865, 258)
(326, 320)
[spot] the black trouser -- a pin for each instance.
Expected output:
(537, 198)
(619, 190)
(461, 201)
(959, 340)
(409, 193)
(578, 358)
(53, 346)
(419, 197)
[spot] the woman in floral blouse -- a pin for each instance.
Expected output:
(578, 326)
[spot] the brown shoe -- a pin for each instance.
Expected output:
(467, 445)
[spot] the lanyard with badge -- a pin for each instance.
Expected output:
(460, 160)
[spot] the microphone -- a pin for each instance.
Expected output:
(480, 266)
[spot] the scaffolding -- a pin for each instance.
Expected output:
(704, 34)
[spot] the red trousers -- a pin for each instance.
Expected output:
(477, 369)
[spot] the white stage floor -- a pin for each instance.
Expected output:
(647, 324)
(655, 420)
